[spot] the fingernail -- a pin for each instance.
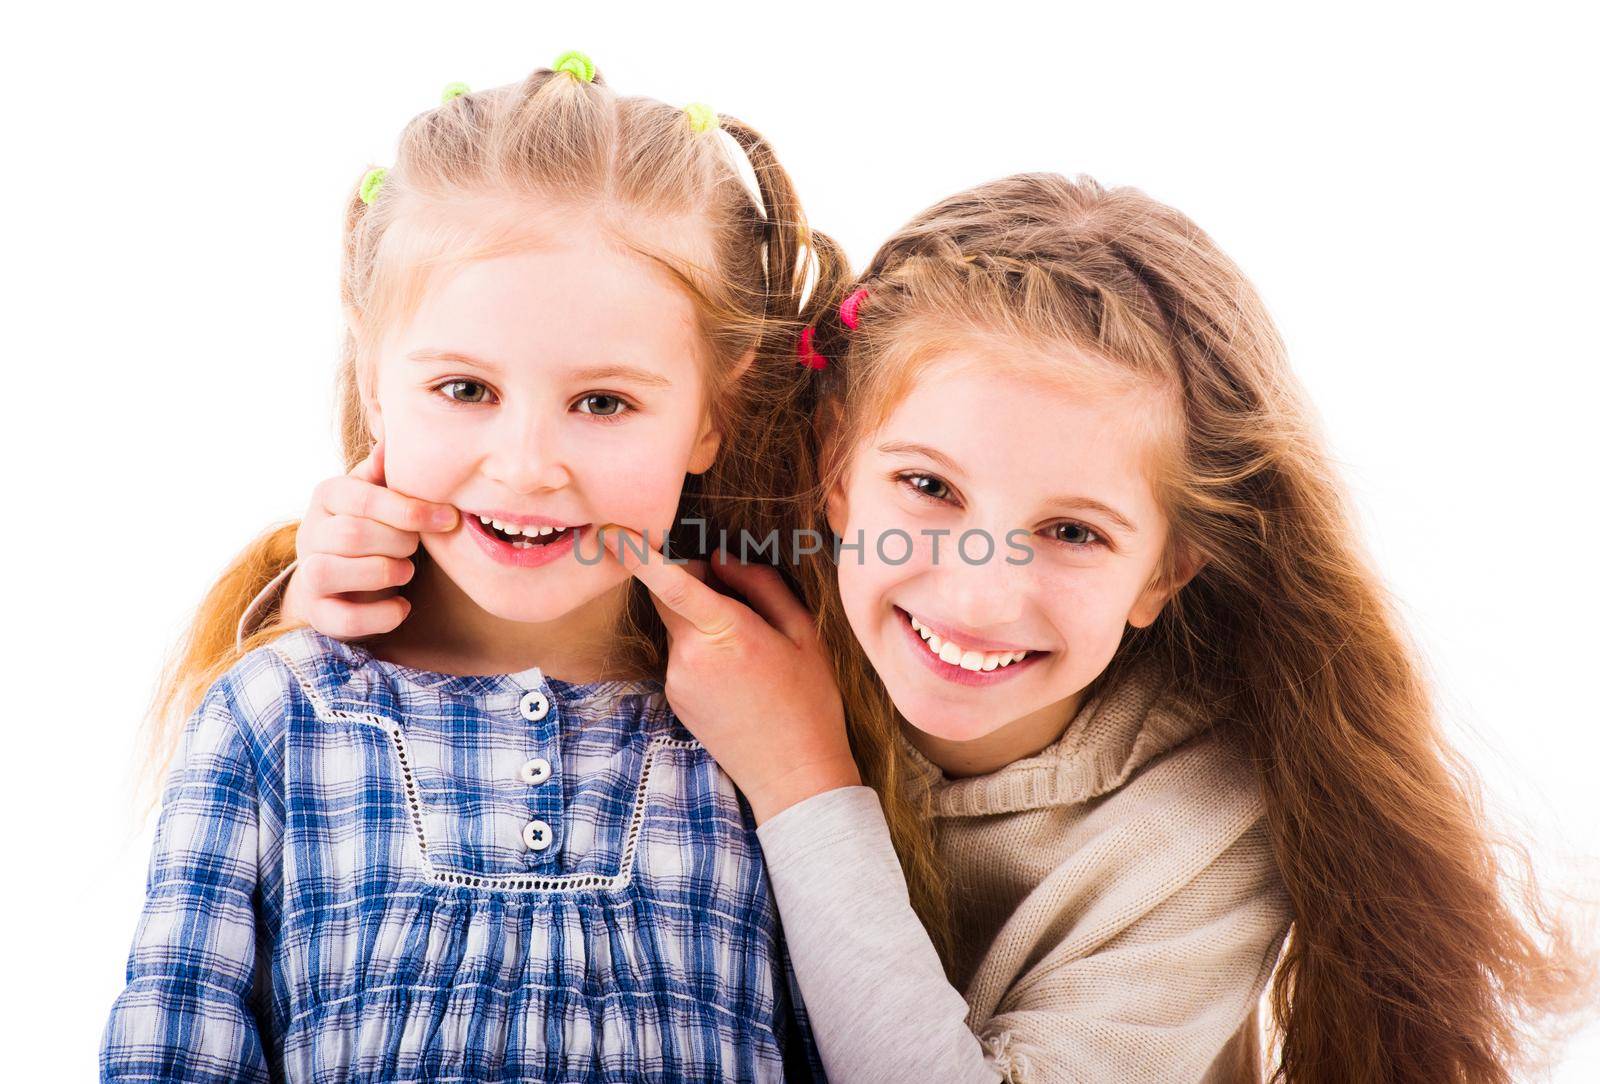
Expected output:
(444, 517)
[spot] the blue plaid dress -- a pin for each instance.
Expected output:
(367, 872)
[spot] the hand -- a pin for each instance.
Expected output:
(354, 546)
(754, 685)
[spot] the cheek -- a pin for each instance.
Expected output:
(892, 550)
(422, 456)
(639, 489)
(860, 587)
(1089, 607)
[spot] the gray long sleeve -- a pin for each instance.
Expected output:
(1123, 938)
(880, 1005)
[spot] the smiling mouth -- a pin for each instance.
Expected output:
(953, 654)
(524, 538)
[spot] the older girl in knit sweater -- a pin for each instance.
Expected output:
(1140, 727)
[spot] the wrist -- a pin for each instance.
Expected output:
(290, 604)
(800, 783)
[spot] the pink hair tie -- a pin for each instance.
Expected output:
(850, 308)
(808, 353)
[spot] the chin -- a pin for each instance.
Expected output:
(530, 613)
(939, 718)
(531, 596)
(941, 726)
(535, 606)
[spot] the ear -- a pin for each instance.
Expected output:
(826, 424)
(365, 392)
(837, 508)
(369, 406)
(1150, 603)
(370, 409)
(709, 442)
(705, 449)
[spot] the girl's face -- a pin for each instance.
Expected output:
(987, 648)
(556, 389)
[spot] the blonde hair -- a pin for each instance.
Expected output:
(467, 183)
(1406, 960)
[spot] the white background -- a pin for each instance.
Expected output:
(1414, 192)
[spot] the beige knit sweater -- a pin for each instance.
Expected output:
(1117, 911)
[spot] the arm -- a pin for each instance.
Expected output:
(879, 1003)
(1156, 999)
(188, 1012)
(758, 692)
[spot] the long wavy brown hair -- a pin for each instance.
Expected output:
(1420, 949)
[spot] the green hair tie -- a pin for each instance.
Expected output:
(701, 118)
(575, 63)
(453, 90)
(371, 183)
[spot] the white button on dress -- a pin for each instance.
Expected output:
(535, 771)
(535, 705)
(537, 835)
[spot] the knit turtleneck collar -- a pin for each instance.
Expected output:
(1110, 738)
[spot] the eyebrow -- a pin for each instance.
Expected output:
(903, 447)
(596, 372)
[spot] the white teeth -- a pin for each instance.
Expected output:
(513, 529)
(966, 658)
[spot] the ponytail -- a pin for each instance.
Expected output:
(207, 650)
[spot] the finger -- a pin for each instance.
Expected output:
(326, 574)
(346, 620)
(370, 469)
(676, 625)
(670, 584)
(767, 594)
(347, 495)
(353, 536)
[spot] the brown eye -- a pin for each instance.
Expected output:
(468, 384)
(605, 406)
(1074, 534)
(927, 485)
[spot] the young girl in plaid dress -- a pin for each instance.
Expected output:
(482, 847)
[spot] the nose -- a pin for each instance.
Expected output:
(982, 593)
(526, 453)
